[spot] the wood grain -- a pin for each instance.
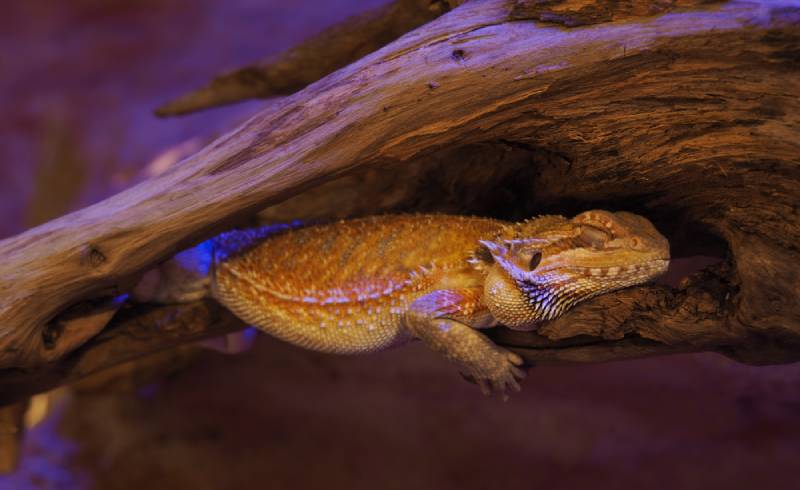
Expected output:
(690, 118)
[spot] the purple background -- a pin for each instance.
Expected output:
(81, 78)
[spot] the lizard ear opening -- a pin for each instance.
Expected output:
(484, 255)
(492, 249)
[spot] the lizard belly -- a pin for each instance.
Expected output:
(343, 328)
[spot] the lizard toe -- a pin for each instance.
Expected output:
(515, 358)
(500, 373)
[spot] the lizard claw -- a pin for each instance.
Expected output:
(497, 373)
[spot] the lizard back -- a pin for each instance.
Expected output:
(344, 286)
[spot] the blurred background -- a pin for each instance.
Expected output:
(78, 85)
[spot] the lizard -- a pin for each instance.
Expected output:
(368, 284)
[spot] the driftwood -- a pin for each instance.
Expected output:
(686, 112)
(11, 433)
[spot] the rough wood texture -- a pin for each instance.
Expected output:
(689, 118)
(12, 428)
(133, 334)
(576, 13)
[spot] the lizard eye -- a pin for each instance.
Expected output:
(593, 236)
(535, 259)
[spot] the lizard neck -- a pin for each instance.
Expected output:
(506, 302)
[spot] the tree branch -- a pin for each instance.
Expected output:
(691, 119)
(133, 334)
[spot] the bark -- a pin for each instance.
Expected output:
(685, 112)
(133, 334)
(12, 428)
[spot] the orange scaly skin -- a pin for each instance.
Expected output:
(367, 284)
(344, 287)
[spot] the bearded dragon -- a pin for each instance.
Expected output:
(365, 285)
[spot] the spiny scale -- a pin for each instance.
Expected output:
(343, 287)
(366, 284)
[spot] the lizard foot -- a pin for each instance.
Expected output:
(496, 373)
(493, 368)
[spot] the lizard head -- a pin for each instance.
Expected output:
(540, 268)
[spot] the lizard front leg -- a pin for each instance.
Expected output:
(446, 320)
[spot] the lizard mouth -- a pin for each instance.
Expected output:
(661, 263)
(653, 268)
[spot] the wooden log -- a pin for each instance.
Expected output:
(12, 429)
(686, 112)
(133, 334)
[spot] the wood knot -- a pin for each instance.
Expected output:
(50, 334)
(93, 257)
(458, 55)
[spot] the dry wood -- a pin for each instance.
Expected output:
(133, 334)
(12, 428)
(690, 119)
